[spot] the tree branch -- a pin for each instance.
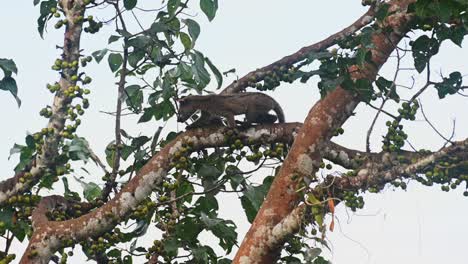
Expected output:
(301, 54)
(378, 177)
(49, 236)
(46, 160)
(305, 155)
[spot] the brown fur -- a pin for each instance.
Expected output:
(254, 105)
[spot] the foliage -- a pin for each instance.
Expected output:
(159, 64)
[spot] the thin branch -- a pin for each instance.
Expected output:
(432, 126)
(390, 90)
(96, 160)
(110, 184)
(301, 54)
(383, 111)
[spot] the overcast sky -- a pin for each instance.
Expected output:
(420, 225)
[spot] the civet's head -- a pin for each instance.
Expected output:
(186, 109)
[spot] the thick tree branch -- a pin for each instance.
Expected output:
(301, 54)
(305, 155)
(384, 171)
(95, 222)
(380, 172)
(48, 236)
(46, 160)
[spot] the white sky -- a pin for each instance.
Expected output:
(421, 225)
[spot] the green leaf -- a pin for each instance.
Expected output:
(449, 85)
(8, 66)
(139, 42)
(188, 229)
(364, 89)
(164, 110)
(124, 33)
(204, 254)
(19, 229)
(134, 98)
(249, 209)
(47, 180)
(66, 186)
(225, 230)
(141, 228)
(9, 84)
(140, 141)
(114, 253)
(363, 55)
(208, 171)
(312, 254)
(193, 28)
(171, 246)
(184, 189)
(454, 33)
(423, 49)
(157, 27)
(79, 149)
(30, 142)
(206, 204)
(135, 57)
(15, 149)
(173, 28)
(45, 15)
(216, 72)
(26, 153)
(148, 113)
(209, 7)
(384, 86)
(154, 143)
(235, 175)
(200, 74)
(141, 249)
(115, 61)
(186, 41)
(321, 260)
(91, 190)
(99, 54)
(128, 259)
(113, 38)
(6, 216)
(130, 4)
(254, 196)
(110, 153)
(172, 6)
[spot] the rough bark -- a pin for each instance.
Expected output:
(71, 52)
(49, 236)
(305, 155)
(301, 54)
(381, 174)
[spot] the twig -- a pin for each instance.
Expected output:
(96, 160)
(392, 88)
(383, 111)
(175, 199)
(452, 135)
(432, 126)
